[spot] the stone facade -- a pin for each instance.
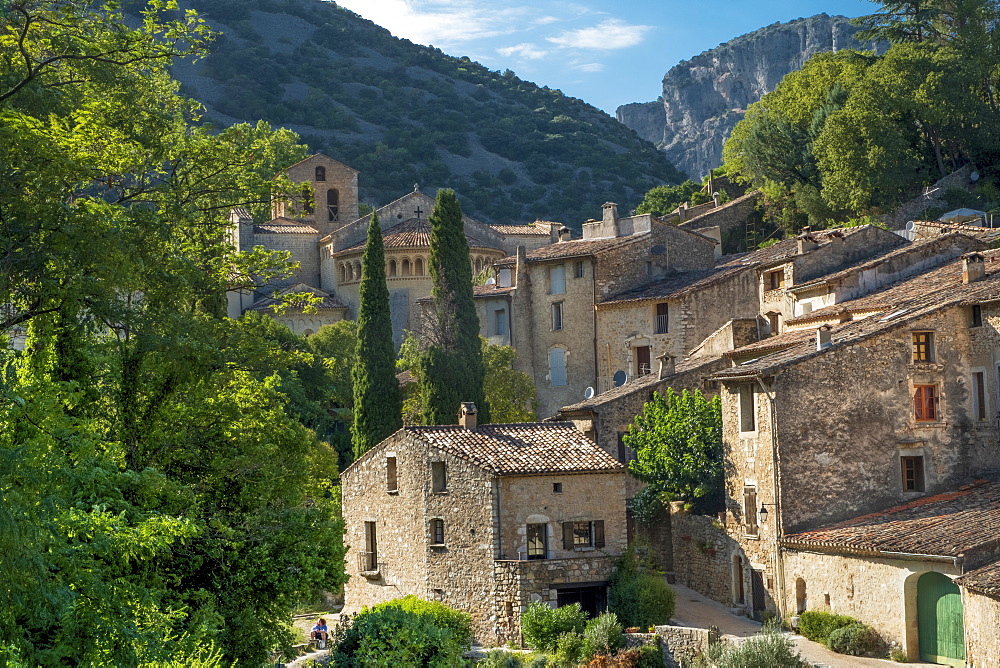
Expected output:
(703, 556)
(466, 543)
(682, 644)
(982, 642)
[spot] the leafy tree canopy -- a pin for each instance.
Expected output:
(661, 200)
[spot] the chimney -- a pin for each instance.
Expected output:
(565, 234)
(805, 243)
(467, 415)
(667, 366)
(611, 215)
(973, 267)
(824, 337)
(715, 198)
(520, 265)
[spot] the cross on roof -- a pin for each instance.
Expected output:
(418, 211)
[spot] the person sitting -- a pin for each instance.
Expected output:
(319, 633)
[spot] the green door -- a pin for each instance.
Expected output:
(940, 624)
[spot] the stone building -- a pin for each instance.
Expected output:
(484, 518)
(891, 406)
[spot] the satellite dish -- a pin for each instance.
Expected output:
(491, 281)
(910, 226)
(974, 176)
(588, 393)
(619, 378)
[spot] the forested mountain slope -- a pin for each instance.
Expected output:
(403, 114)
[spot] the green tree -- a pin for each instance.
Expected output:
(510, 394)
(661, 200)
(452, 363)
(678, 444)
(377, 402)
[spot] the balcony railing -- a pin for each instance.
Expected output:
(368, 564)
(662, 324)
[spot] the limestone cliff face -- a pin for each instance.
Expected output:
(703, 98)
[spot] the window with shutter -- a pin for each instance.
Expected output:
(567, 535)
(750, 510)
(598, 533)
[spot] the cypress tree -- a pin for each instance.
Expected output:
(453, 363)
(377, 401)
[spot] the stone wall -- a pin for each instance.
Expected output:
(682, 644)
(914, 208)
(731, 218)
(982, 620)
(303, 250)
(339, 177)
(702, 555)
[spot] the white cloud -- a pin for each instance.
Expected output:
(608, 35)
(523, 50)
(545, 20)
(590, 67)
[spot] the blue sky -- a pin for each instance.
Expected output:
(605, 52)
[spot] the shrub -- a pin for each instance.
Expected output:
(499, 658)
(542, 625)
(816, 625)
(640, 599)
(603, 635)
(650, 656)
(569, 650)
(899, 655)
(768, 649)
(855, 639)
(460, 623)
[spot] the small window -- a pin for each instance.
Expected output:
(643, 366)
(437, 532)
(369, 558)
(557, 487)
(923, 346)
(913, 473)
(332, 205)
(578, 269)
(774, 280)
(504, 278)
(662, 319)
(748, 408)
(537, 545)
(439, 477)
(750, 510)
(649, 268)
(557, 316)
(320, 174)
(391, 483)
(774, 323)
(625, 453)
(979, 395)
(977, 316)
(500, 322)
(582, 535)
(557, 280)
(925, 403)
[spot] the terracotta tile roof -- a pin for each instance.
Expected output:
(284, 226)
(789, 248)
(327, 301)
(511, 449)
(988, 233)
(773, 343)
(478, 292)
(678, 285)
(575, 248)
(891, 307)
(985, 580)
(520, 230)
(946, 525)
(411, 233)
(241, 213)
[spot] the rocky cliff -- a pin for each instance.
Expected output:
(703, 98)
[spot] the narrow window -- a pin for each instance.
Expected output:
(774, 323)
(925, 403)
(625, 453)
(557, 367)
(391, 483)
(977, 316)
(979, 395)
(439, 477)
(557, 487)
(369, 558)
(578, 269)
(750, 510)
(392, 267)
(504, 278)
(642, 363)
(557, 316)
(418, 267)
(557, 280)
(406, 266)
(923, 346)
(775, 280)
(536, 541)
(500, 322)
(332, 205)
(649, 268)
(437, 532)
(748, 408)
(320, 174)
(662, 321)
(913, 473)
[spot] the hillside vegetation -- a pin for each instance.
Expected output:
(403, 114)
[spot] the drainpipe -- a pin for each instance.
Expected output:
(597, 361)
(779, 528)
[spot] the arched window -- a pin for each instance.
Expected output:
(418, 267)
(406, 266)
(343, 273)
(392, 267)
(333, 205)
(800, 596)
(321, 173)
(357, 271)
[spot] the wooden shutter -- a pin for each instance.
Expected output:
(567, 535)
(598, 533)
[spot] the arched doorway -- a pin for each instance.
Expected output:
(940, 620)
(800, 596)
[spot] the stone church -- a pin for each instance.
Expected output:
(326, 237)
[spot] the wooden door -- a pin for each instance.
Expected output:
(940, 621)
(757, 592)
(642, 362)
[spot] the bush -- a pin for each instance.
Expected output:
(569, 650)
(650, 656)
(768, 649)
(403, 632)
(855, 639)
(603, 635)
(817, 625)
(499, 658)
(640, 599)
(542, 625)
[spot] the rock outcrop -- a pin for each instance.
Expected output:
(705, 97)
